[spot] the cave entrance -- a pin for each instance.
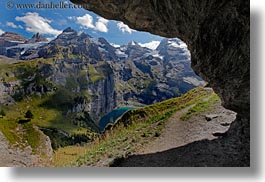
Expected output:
(218, 36)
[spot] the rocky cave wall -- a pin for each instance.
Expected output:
(217, 33)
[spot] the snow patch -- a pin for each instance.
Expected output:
(158, 56)
(14, 41)
(26, 47)
(150, 45)
(177, 43)
(120, 53)
(154, 53)
(115, 45)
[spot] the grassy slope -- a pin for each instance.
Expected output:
(201, 106)
(129, 133)
(43, 117)
(45, 114)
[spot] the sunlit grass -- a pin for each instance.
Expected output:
(204, 105)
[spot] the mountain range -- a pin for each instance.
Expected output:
(95, 76)
(72, 87)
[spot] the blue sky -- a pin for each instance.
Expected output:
(27, 21)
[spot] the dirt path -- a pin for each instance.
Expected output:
(177, 134)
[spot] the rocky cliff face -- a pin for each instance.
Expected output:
(12, 37)
(85, 91)
(140, 75)
(147, 75)
(7, 89)
(217, 33)
(15, 46)
(36, 38)
(9, 39)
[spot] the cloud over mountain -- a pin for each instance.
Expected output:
(86, 21)
(124, 28)
(11, 24)
(36, 23)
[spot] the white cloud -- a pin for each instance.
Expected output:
(86, 21)
(11, 24)
(124, 28)
(36, 23)
(101, 24)
(151, 45)
(1, 31)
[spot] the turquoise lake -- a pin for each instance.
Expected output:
(112, 116)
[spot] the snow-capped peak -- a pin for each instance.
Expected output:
(115, 45)
(150, 45)
(175, 42)
(133, 43)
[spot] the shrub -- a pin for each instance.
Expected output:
(29, 114)
(2, 112)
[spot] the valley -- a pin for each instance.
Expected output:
(75, 87)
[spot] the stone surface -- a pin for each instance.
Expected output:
(36, 38)
(210, 117)
(12, 156)
(8, 39)
(13, 37)
(218, 36)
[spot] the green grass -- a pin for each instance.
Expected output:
(94, 76)
(46, 117)
(193, 96)
(6, 72)
(8, 128)
(49, 110)
(20, 135)
(31, 136)
(71, 83)
(118, 142)
(72, 56)
(201, 107)
(123, 140)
